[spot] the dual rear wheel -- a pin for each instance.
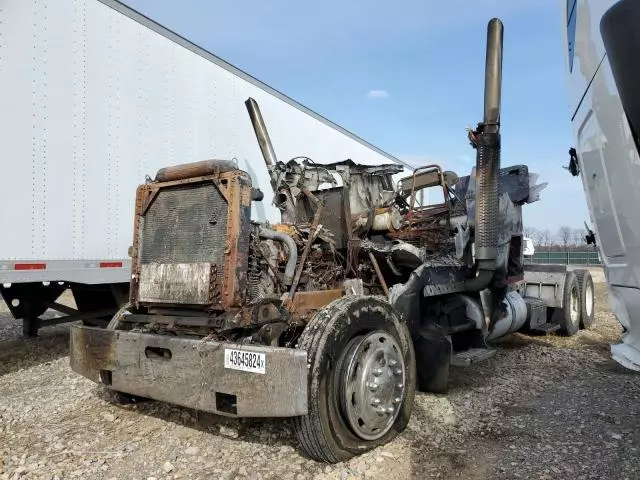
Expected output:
(578, 302)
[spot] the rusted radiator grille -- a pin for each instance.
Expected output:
(185, 224)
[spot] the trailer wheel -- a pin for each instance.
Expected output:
(570, 312)
(361, 378)
(587, 298)
(115, 396)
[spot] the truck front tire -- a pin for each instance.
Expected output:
(362, 377)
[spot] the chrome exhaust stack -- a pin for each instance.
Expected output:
(486, 140)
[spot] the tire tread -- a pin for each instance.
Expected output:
(309, 429)
(584, 276)
(564, 313)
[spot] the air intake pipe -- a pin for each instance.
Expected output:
(487, 142)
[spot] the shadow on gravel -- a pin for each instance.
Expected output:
(515, 341)
(463, 378)
(427, 461)
(610, 366)
(263, 431)
(18, 352)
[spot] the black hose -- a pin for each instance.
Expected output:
(290, 269)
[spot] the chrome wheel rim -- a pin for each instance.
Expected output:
(575, 306)
(373, 384)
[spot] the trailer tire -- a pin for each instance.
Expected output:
(570, 312)
(587, 298)
(338, 341)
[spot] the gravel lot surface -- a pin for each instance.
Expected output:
(543, 408)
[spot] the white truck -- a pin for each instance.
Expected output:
(602, 51)
(93, 97)
(529, 249)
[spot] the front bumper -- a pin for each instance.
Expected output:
(192, 373)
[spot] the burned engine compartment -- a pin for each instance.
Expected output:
(349, 229)
(358, 230)
(202, 267)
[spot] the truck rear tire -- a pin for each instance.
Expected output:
(587, 298)
(569, 314)
(362, 377)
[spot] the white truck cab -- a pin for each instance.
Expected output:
(602, 53)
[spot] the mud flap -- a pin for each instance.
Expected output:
(433, 359)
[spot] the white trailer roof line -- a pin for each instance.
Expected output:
(177, 38)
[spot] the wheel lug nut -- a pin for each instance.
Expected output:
(392, 362)
(375, 402)
(400, 385)
(377, 372)
(397, 400)
(372, 386)
(390, 409)
(398, 371)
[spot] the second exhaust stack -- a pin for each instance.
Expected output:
(262, 135)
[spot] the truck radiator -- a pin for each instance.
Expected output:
(182, 244)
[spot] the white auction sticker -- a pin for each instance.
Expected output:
(245, 361)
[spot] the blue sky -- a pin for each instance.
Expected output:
(424, 59)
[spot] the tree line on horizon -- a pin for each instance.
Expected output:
(565, 238)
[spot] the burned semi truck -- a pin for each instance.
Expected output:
(334, 316)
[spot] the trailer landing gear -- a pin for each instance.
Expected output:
(29, 301)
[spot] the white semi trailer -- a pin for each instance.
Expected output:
(603, 67)
(93, 97)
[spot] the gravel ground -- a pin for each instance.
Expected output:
(543, 408)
